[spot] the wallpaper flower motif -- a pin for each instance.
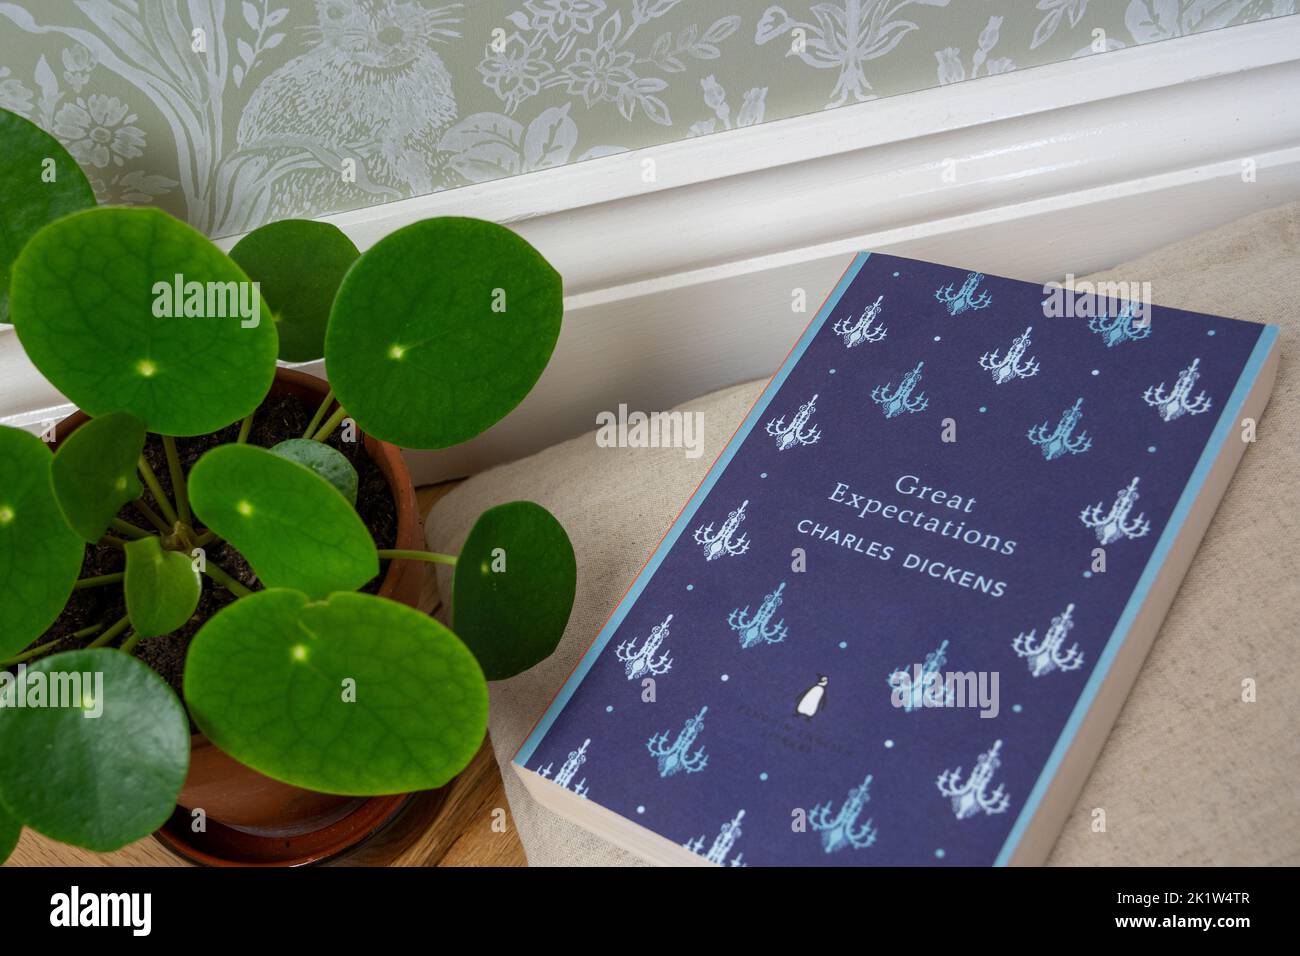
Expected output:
(952, 68)
(13, 95)
(843, 37)
(229, 113)
(585, 49)
(97, 130)
(751, 109)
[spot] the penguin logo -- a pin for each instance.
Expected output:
(813, 699)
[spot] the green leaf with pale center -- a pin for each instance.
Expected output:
(300, 264)
(294, 528)
(10, 831)
(162, 587)
(40, 556)
(39, 182)
(440, 329)
(100, 763)
(100, 310)
(355, 695)
(513, 587)
(330, 463)
(94, 471)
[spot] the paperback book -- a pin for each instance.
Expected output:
(897, 619)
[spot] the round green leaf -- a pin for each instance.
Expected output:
(440, 329)
(100, 763)
(513, 587)
(40, 556)
(330, 463)
(94, 472)
(356, 695)
(162, 587)
(294, 528)
(95, 300)
(10, 831)
(39, 182)
(300, 264)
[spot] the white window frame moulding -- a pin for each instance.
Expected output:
(684, 284)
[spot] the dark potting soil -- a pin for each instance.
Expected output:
(279, 417)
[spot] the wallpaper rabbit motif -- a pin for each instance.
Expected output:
(373, 86)
(230, 113)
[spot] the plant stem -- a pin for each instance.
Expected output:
(152, 515)
(98, 580)
(111, 633)
(226, 581)
(319, 415)
(330, 424)
(42, 648)
(431, 556)
(129, 644)
(110, 541)
(245, 427)
(178, 478)
(155, 489)
(28, 655)
(128, 529)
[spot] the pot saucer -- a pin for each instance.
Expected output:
(373, 834)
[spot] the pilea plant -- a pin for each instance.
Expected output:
(431, 336)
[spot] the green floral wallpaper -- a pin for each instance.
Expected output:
(229, 113)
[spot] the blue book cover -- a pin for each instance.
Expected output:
(874, 632)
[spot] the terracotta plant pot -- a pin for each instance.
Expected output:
(248, 803)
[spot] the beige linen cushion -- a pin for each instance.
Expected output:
(1191, 774)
